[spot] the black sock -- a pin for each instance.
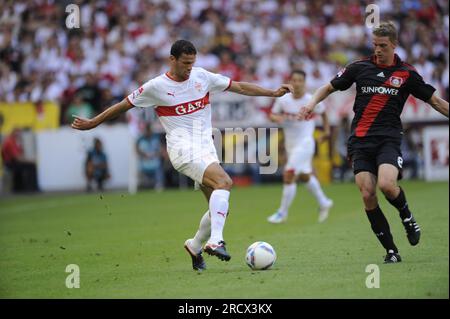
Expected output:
(401, 205)
(381, 229)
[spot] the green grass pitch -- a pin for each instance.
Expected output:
(131, 246)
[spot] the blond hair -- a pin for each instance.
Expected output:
(386, 29)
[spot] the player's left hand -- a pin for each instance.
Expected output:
(285, 88)
(306, 113)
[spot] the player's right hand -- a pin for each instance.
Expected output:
(82, 124)
(284, 88)
(305, 113)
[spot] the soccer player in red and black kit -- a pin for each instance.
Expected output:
(383, 84)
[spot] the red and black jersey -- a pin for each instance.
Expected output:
(381, 93)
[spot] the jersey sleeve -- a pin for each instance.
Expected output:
(217, 82)
(345, 77)
(418, 88)
(277, 107)
(143, 96)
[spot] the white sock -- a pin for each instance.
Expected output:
(203, 232)
(313, 186)
(289, 191)
(218, 206)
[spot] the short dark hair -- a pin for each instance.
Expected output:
(386, 29)
(298, 71)
(182, 46)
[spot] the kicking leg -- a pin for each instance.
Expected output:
(217, 179)
(204, 229)
(194, 245)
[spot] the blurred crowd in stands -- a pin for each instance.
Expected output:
(122, 43)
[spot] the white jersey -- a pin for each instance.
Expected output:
(296, 132)
(183, 107)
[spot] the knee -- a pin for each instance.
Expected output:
(387, 186)
(304, 178)
(225, 182)
(368, 194)
(288, 177)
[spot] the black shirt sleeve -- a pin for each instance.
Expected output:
(419, 88)
(345, 78)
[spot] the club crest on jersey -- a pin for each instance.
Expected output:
(198, 86)
(396, 81)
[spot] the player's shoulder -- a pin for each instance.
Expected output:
(199, 73)
(198, 69)
(366, 61)
(154, 84)
(161, 78)
(354, 66)
(408, 66)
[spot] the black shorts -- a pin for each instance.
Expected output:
(367, 153)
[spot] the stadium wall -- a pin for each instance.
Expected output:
(61, 156)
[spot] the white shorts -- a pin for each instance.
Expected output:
(193, 165)
(300, 157)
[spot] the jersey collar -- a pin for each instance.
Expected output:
(171, 78)
(397, 61)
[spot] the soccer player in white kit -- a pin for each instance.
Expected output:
(300, 146)
(181, 100)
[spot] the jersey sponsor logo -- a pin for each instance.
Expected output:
(340, 73)
(396, 81)
(378, 90)
(189, 107)
(380, 97)
(171, 94)
(184, 108)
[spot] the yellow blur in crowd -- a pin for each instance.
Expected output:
(37, 117)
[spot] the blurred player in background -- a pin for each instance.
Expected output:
(181, 100)
(300, 147)
(96, 166)
(383, 84)
(149, 152)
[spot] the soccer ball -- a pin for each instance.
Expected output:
(260, 256)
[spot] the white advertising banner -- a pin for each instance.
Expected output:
(61, 156)
(436, 153)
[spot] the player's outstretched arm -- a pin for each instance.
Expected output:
(112, 112)
(318, 96)
(439, 104)
(251, 89)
